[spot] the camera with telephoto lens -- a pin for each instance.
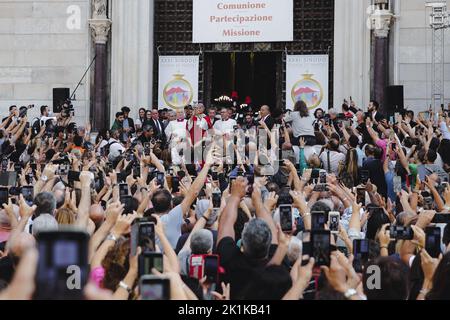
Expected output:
(67, 109)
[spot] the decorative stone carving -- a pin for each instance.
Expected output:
(380, 22)
(100, 30)
(100, 24)
(99, 9)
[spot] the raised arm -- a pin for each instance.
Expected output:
(229, 214)
(197, 185)
(85, 201)
(262, 213)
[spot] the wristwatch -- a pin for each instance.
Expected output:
(123, 285)
(112, 237)
(350, 293)
(44, 178)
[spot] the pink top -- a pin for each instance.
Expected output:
(97, 275)
(383, 145)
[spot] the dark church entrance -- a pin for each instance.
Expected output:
(249, 74)
(254, 69)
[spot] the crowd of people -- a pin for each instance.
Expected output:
(227, 203)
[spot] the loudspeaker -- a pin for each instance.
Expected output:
(394, 99)
(60, 95)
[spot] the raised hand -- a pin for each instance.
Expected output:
(239, 187)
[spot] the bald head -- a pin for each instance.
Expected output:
(265, 110)
(97, 214)
(60, 195)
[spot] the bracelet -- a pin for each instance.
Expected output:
(123, 285)
(383, 247)
(144, 188)
(424, 291)
(112, 237)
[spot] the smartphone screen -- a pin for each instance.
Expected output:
(143, 235)
(154, 288)
(28, 194)
(401, 233)
(4, 164)
(160, 178)
(147, 149)
(3, 196)
(73, 176)
(320, 247)
(214, 176)
(433, 241)
(251, 181)
(148, 261)
(441, 218)
(286, 217)
(318, 220)
(364, 176)
(18, 168)
(136, 171)
(333, 221)
(61, 254)
(211, 268)
(361, 196)
(123, 189)
(323, 177)
(360, 253)
(175, 184)
(216, 199)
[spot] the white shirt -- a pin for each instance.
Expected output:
(301, 126)
(223, 127)
(335, 158)
(176, 128)
(115, 148)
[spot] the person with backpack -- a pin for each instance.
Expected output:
(114, 148)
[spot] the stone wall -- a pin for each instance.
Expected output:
(411, 67)
(38, 52)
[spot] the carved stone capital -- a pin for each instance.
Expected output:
(380, 21)
(100, 30)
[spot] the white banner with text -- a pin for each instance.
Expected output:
(218, 21)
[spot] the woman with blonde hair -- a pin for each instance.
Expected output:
(65, 216)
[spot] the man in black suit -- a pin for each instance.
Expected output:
(128, 124)
(266, 116)
(158, 126)
(374, 106)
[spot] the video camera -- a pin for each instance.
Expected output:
(67, 109)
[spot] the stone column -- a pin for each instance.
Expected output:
(351, 52)
(100, 26)
(381, 19)
(132, 55)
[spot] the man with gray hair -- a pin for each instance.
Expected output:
(200, 241)
(44, 222)
(259, 240)
(45, 203)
